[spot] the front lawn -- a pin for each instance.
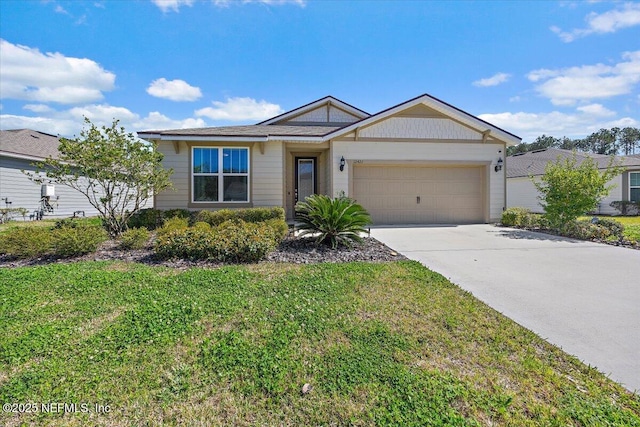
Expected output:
(376, 344)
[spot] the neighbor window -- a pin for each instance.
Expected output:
(634, 186)
(220, 174)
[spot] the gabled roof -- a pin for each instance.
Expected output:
(28, 144)
(437, 105)
(533, 163)
(330, 100)
(285, 126)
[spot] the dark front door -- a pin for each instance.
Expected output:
(305, 178)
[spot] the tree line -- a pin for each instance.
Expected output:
(605, 141)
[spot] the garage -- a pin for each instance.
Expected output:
(402, 194)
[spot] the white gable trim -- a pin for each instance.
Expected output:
(330, 100)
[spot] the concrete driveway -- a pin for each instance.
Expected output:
(581, 296)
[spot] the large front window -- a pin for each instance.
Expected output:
(220, 174)
(634, 186)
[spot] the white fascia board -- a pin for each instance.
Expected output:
(311, 139)
(21, 156)
(216, 138)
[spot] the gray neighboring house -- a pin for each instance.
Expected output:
(18, 149)
(522, 193)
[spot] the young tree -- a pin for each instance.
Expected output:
(568, 190)
(115, 171)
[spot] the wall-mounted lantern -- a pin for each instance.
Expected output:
(342, 162)
(498, 167)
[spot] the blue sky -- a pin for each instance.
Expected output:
(541, 67)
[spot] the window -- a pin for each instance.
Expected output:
(220, 174)
(634, 186)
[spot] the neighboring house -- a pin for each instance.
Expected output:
(422, 161)
(20, 148)
(521, 191)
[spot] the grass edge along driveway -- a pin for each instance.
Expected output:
(379, 344)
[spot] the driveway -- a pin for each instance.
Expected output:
(581, 296)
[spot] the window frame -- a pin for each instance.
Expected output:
(631, 187)
(220, 174)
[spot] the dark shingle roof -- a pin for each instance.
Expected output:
(533, 163)
(27, 142)
(248, 131)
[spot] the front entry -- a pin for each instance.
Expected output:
(305, 179)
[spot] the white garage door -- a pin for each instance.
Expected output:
(421, 195)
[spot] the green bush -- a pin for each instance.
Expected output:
(147, 218)
(26, 242)
(279, 226)
(615, 228)
(177, 213)
(78, 240)
(173, 224)
(586, 230)
(134, 238)
(514, 217)
(215, 218)
(338, 221)
(232, 241)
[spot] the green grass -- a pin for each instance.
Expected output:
(45, 223)
(381, 344)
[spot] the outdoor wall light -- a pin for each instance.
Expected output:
(498, 167)
(342, 163)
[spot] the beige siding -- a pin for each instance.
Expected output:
(522, 193)
(317, 115)
(337, 115)
(267, 175)
(427, 154)
(424, 128)
(178, 196)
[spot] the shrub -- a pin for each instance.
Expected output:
(147, 218)
(568, 189)
(626, 207)
(177, 213)
(239, 241)
(173, 224)
(615, 228)
(77, 240)
(215, 218)
(586, 230)
(26, 242)
(514, 217)
(279, 226)
(338, 221)
(134, 238)
(231, 241)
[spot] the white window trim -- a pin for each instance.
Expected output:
(220, 176)
(632, 186)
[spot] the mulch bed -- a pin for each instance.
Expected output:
(293, 250)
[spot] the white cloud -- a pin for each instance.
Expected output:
(597, 110)
(238, 109)
(608, 22)
(38, 108)
(60, 9)
(516, 98)
(568, 85)
(175, 90)
(28, 74)
(70, 122)
(494, 80)
(584, 121)
(171, 5)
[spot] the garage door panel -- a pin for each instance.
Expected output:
(447, 194)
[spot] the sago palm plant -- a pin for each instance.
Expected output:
(338, 221)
